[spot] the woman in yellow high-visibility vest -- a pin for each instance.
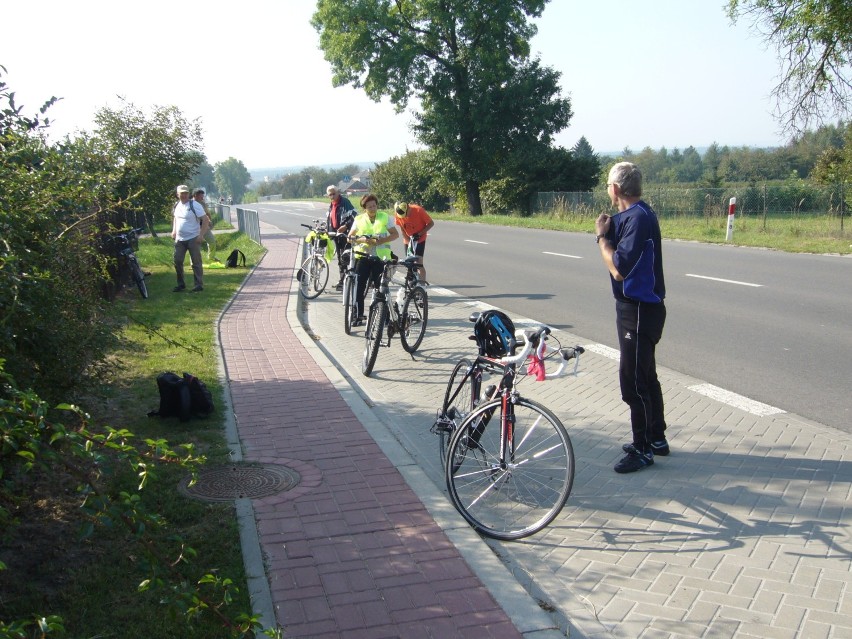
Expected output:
(381, 228)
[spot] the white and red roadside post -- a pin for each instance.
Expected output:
(732, 207)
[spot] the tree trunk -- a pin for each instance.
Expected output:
(474, 203)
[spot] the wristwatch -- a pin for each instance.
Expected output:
(598, 238)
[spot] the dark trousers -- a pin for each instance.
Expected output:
(367, 270)
(194, 249)
(640, 327)
(340, 244)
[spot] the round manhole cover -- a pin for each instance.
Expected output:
(226, 483)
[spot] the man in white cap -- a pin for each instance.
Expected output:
(189, 224)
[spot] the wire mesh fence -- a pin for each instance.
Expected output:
(766, 201)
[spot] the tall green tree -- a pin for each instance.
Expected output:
(232, 178)
(467, 63)
(153, 153)
(55, 327)
(813, 39)
(204, 177)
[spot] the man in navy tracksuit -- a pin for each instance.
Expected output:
(631, 249)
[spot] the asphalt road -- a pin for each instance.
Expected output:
(771, 326)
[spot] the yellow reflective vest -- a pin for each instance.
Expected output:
(379, 228)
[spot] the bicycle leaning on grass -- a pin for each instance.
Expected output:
(313, 273)
(406, 315)
(508, 460)
(124, 243)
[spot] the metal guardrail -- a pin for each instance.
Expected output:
(248, 222)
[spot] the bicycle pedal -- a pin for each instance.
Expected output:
(442, 426)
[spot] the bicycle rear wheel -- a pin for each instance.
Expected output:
(138, 277)
(413, 318)
(459, 401)
(373, 336)
(349, 306)
(519, 494)
(314, 277)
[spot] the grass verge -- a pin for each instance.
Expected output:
(92, 582)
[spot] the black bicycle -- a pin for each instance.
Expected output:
(350, 286)
(406, 315)
(508, 461)
(124, 243)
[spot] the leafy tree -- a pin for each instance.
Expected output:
(54, 324)
(835, 164)
(152, 153)
(232, 178)
(482, 99)
(814, 43)
(712, 157)
(203, 177)
(412, 177)
(588, 165)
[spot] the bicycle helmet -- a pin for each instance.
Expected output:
(401, 208)
(494, 333)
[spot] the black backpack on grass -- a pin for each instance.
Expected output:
(174, 397)
(182, 397)
(235, 259)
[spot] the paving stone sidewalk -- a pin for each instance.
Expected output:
(743, 531)
(351, 551)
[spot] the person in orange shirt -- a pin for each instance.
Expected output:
(415, 223)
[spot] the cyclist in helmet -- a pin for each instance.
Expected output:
(415, 223)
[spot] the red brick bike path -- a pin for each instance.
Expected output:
(350, 551)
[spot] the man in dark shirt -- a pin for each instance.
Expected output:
(340, 216)
(631, 249)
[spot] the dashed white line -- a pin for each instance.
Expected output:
(573, 257)
(737, 401)
(719, 279)
(476, 242)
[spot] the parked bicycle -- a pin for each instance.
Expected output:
(508, 460)
(406, 315)
(313, 273)
(350, 286)
(124, 243)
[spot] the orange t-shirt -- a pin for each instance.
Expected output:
(415, 222)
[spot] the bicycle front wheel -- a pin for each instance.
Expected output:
(139, 278)
(349, 306)
(413, 318)
(314, 277)
(373, 336)
(516, 493)
(459, 401)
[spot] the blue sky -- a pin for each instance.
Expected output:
(652, 73)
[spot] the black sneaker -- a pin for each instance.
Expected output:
(197, 289)
(179, 288)
(634, 460)
(660, 447)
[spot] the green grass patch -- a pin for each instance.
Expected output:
(92, 582)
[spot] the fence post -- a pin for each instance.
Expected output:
(732, 207)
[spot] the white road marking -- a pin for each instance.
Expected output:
(719, 279)
(737, 401)
(573, 257)
(606, 351)
(708, 390)
(476, 242)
